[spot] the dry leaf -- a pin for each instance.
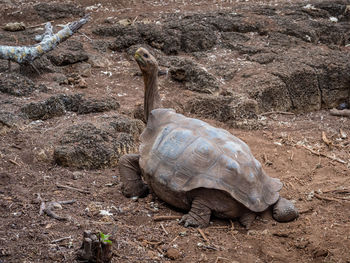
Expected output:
(325, 139)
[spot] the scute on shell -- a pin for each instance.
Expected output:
(184, 153)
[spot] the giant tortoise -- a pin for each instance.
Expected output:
(196, 167)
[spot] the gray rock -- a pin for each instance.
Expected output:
(193, 76)
(16, 84)
(87, 146)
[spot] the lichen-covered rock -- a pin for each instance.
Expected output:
(89, 146)
(44, 110)
(8, 120)
(16, 84)
(57, 106)
(97, 105)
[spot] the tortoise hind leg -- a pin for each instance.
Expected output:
(130, 176)
(198, 216)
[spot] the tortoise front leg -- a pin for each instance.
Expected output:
(130, 176)
(199, 215)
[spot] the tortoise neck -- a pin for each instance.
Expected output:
(151, 98)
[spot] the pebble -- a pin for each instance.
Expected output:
(16, 26)
(173, 254)
(77, 175)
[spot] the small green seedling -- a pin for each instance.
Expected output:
(104, 238)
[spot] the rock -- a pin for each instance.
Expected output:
(127, 37)
(8, 120)
(57, 106)
(173, 254)
(194, 76)
(320, 252)
(122, 123)
(40, 155)
(269, 91)
(82, 84)
(138, 113)
(16, 26)
(69, 52)
(86, 146)
(52, 11)
(228, 109)
(97, 105)
(41, 65)
(83, 69)
(99, 61)
(70, 102)
(61, 79)
(77, 175)
(44, 110)
(16, 84)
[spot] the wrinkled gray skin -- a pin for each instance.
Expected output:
(224, 184)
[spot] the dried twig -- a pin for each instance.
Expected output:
(337, 190)
(276, 112)
(221, 258)
(326, 140)
(33, 26)
(166, 232)
(326, 198)
(60, 239)
(344, 113)
(203, 235)
(306, 211)
(172, 241)
(324, 155)
(14, 162)
(153, 243)
(217, 227)
(163, 218)
(73, 188)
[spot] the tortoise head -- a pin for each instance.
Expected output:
(147, 63)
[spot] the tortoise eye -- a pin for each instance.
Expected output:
(145, 55)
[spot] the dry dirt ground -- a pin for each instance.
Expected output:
(315, 171)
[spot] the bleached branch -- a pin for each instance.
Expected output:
(48, 41)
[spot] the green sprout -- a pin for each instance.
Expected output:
(104, 238)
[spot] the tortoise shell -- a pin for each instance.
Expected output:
(182, 154)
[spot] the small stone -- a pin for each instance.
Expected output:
(173, 254)
(40, 155)
(203, 258)
(99, 62)
(16, 26)
(77, 175)
(60, 78)
(265, 232)
(252, 233)
(320, 252)
(82, 84)
(125, 22)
